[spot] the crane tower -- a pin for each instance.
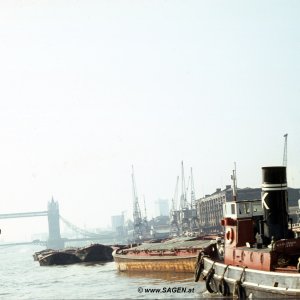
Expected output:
(137, 216)
(174, 215)
(184, 207)
(183, 201)
(194, 221)
(141, 229)
(193, 197)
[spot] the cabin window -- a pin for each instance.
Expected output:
(233, 209)
(257, 208)
(247, 208)
(244, 209)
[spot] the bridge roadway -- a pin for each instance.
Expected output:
(41, 243)
(24, 215)
(66, 240)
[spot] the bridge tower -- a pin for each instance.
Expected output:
(54, 241)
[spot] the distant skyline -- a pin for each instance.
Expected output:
(89, 88)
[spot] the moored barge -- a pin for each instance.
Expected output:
(91, 253)
(173, 255)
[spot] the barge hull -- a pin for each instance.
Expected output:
(156, 264)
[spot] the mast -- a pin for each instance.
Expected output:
(234, 183)
(284, 161)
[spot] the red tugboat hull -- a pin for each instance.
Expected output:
(250, 283)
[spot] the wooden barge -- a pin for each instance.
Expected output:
(174, 255)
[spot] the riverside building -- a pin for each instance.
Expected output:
(210, 207)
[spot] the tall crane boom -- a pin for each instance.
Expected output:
(174, 200)
(140, 226)
(194, 220)
(137, 216)
(183, 202)
(193, 197)
(284, 161)
(174, 213)
(145, 208)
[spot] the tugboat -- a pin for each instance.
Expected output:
(261, 256)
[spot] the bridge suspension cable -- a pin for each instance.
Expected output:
(79, 230)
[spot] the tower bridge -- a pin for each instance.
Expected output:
(55, 241)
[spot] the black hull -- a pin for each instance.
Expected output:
(92, 253)
(95, 252)
(59, 258)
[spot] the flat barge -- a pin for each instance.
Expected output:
(173, 255)
(91, 253)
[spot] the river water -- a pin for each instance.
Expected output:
(23, 278)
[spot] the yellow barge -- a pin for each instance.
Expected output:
(174, 255)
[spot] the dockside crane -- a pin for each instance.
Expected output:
(145, 219)
(145, 209)
(183, 200)
(137, 216)
(194, 221)
(284, 161)
(184, 207)
(174, 200)
(174, 215)
(193, 197)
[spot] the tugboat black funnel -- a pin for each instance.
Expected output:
(275, 203)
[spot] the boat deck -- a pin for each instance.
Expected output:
(173, 244)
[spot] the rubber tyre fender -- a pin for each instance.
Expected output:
(198, 271)
(209, 278)
(199, 267)
(241, 292)
(224, 288)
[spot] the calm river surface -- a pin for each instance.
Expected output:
(23, 278)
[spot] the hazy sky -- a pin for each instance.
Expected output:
(88, 88)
